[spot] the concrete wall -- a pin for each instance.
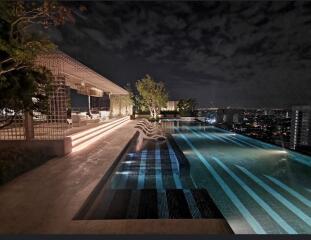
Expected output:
(120, 105)
(170, 106)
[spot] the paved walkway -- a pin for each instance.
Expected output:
(44, 200)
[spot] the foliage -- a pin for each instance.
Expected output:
(24, 90)
(23, 85)
(169, 112)
(20, 43)
(136, 99)
(153, 95)
(186, 107)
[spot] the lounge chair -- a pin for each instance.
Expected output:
(149, 126)
(148, 132)
(155, 137)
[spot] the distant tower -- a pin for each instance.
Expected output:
(300, 127)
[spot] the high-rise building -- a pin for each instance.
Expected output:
(300, 127)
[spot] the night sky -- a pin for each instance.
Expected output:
(238, 54)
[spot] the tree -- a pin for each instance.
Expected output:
(153, 95)
(136, 100)
(26, 90)
(186, 107)
(20, 43)
(23, 85)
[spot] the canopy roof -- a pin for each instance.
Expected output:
(77, 74)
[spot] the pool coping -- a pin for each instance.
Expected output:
(92, 196)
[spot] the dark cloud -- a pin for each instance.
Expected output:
(225, 53)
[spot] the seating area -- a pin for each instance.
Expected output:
(79, 119)
(82, 119)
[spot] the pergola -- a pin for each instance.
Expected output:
(68, 74)
(78, 76)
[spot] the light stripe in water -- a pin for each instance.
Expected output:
(300, 160)
(159, 183)
(247, 143)
(195, 212)
(228, 138)
(207, 136)
(163, 210)
(222, 138)
(274, 215)
(177, 181)
(294, 156)
(193, 182)
(142, 170)
(306, 160)
(193, 132)
(255, 225)
(278, 196)
(124, 177)
(133, 207)
(174, 162)
(290, 191)
(213, 135)
(217, 137)
(255, 143)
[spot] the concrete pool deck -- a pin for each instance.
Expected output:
(45, 200)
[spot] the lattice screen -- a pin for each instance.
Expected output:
(14, 131)
(53, 125)
(47, 127)
(67, 71)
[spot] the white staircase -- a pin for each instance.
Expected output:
(83, 139)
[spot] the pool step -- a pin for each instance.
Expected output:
(182, 160)
(84, 137)
(153, 204)
(150, 170)
(165, 165)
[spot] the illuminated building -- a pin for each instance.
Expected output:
(300, 127)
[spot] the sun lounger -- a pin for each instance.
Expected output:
(149, 130)
(155, 137)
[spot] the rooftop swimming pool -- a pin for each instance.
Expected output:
(207, 172)
(153, 182)
(258, 187)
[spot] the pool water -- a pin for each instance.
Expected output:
(207, 172)
(258, 187)
(153, 182)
